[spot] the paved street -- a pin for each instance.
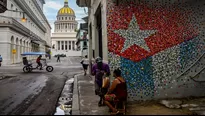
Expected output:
(37, 92)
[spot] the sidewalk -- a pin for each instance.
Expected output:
(85, 102)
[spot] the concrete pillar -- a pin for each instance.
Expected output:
(75, 45)
(18, 54)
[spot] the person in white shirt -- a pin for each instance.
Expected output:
(85, 63)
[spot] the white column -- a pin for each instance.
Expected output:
(61, 26)
(75, 45)
(68, 45)
(72, 45)
(56, 46)
(64, 45)
(60, 45)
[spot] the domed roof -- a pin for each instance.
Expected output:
(66, 10)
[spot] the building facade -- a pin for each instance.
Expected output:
(19, 36)
(82, 42)
(82, 38)
(158, 45)
(64, 36)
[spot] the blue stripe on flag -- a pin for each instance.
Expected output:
(138, 77)
(189, 51)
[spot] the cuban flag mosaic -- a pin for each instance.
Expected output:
(156, 45)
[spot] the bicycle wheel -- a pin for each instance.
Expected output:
(26, 69)
(49, 68)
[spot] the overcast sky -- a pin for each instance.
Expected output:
(52, 6)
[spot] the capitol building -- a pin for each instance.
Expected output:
(64, 36)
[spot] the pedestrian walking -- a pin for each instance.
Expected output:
(85, 64)
(58, 58)
(1, 60)
(98, 70)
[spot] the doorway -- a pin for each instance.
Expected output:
(99, 30)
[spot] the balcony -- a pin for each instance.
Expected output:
(83, 3)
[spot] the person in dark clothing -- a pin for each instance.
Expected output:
(99, 69)
(117, 91)
(1, 59)
(58, 58)
(38, 61)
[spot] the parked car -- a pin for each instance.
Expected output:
(61, 55)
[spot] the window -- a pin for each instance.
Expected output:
(65, 18)
(69, 45)
(62, 18)
(66, 45)
(12, 6)
(62, 44)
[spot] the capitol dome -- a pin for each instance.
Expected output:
(66, 10)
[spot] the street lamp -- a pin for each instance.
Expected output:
(23, 19)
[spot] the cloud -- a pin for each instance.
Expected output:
(53, 5)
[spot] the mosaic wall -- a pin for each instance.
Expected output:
(159, 47)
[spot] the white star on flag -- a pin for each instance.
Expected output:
(133, 35)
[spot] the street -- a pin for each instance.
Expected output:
(37, 92)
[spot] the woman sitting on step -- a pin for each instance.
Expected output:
(117, 91)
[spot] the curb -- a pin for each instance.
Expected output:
(75, 103)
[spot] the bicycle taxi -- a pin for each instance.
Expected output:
(29, 67)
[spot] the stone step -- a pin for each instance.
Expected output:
(197, 109)
(189, 105)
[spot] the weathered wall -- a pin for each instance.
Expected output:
(159, 47)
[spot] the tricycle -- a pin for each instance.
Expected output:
(28, 66)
